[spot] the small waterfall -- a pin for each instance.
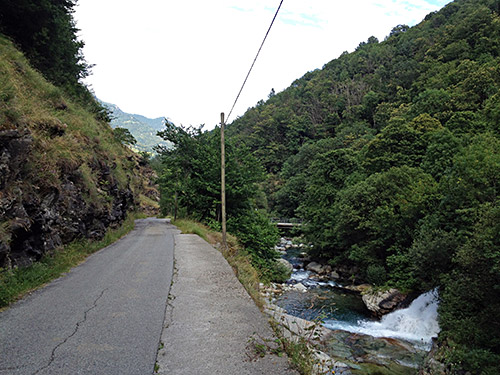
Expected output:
(417, 323)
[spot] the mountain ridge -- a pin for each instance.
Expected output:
(143, 129)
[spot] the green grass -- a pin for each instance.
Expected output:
(17, 282)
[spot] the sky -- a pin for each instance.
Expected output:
(186, 60)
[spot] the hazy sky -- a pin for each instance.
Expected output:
(186, 60)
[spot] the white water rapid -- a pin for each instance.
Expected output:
(417, 323)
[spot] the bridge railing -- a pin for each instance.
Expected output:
(285, 221)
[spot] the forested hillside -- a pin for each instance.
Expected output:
(391, 156)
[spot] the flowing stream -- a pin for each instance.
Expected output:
(396, 344)
(416, 324)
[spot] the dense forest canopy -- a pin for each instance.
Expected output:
(391, 156)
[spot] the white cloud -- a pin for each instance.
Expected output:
(187, 60)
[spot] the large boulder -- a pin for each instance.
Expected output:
(383, 302)
(286, 263)
(318, 268)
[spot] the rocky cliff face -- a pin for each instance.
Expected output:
(62, 174)
(37, 219)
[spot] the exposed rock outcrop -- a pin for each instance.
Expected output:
(36, 218)
(383, 302)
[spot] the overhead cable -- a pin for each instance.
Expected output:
(253, 63)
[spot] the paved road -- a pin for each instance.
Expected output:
(107, 315)
(103, 317)
(211, 320)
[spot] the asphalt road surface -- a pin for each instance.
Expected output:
(104, 317)
(114, 314)
(211, 321)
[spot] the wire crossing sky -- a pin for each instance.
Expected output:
(254, 60)
(184, 60)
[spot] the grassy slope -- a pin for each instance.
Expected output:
(66, 140)
(29, 102)
(66, 137)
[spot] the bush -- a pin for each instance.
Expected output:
(258, 236)
(376, 275)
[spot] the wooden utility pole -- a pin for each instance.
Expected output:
(223, 181)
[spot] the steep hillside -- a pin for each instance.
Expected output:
(142, 128)
(391, 156)
(447, 66)
(62, 174)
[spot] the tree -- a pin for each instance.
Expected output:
(470, 300)
(46, 33)
(124, 136)
(330, 172)
(377, 219)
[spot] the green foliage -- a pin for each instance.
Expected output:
(258, 236)
(390, 155)
(376, 274)
(377, 217)
(470, 300)
(430, 255)
(123, 136)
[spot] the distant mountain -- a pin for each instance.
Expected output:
(142, 128)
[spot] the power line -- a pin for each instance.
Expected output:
(254, 60)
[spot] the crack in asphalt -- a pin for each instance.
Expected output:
(168, 318)
(53, 354)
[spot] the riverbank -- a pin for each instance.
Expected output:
(351, 334)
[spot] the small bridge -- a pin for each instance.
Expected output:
(283, 223)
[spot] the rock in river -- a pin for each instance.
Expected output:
(318, 268)
(383, 302)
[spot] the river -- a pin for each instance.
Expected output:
(396, 344)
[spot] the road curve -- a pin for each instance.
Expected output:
(104, 317)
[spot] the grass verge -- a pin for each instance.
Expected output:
(17, 282)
